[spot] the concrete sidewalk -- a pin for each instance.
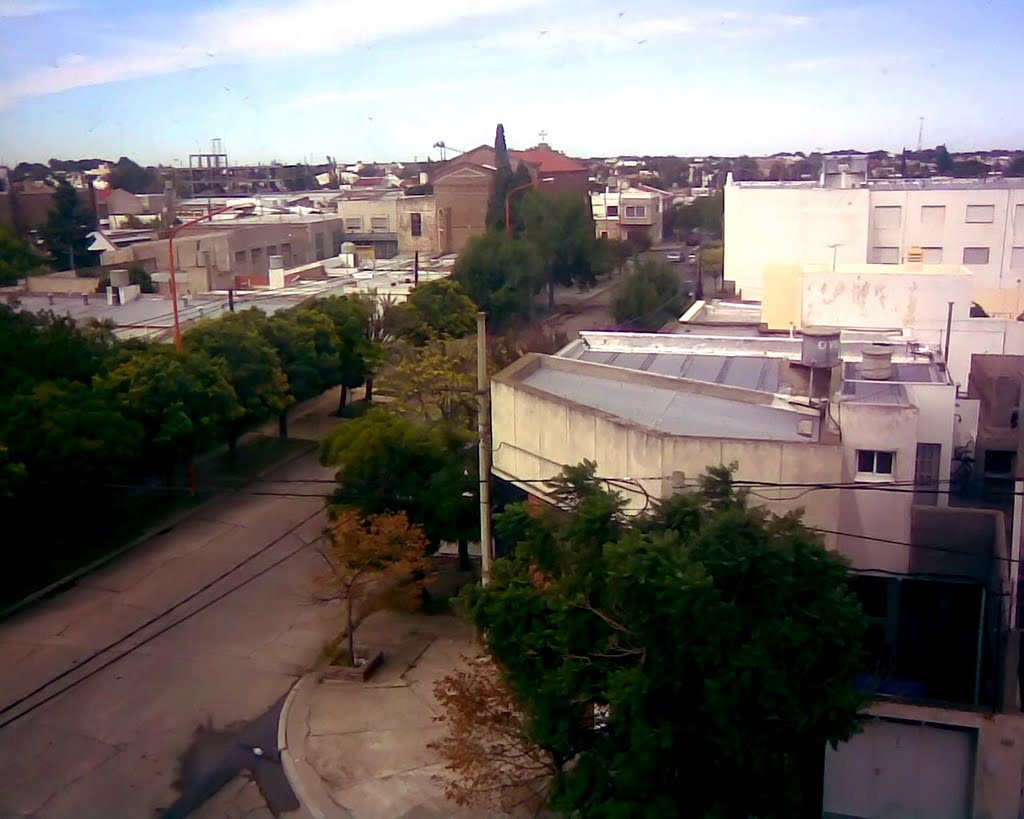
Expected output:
(360, 749)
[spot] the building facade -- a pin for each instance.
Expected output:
(628, 214)
(388, 223)
(843, 219)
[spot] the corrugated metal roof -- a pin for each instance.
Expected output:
(906, 372)
(749, 372)
(673, 411)
(888, 393)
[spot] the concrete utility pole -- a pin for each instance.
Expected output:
(484, 446)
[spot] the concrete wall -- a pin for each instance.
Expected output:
(428, 240)
(535, 436)
(59, 283)
(879, 299)
(874, 511)
(772, 225)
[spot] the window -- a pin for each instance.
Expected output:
(874, 465)
(933, 214)
(612, 210)
(885, 255)
(975, 255)
(932, 255)
(271, 250)
(887, 216)
(379, 224)
(636, 210)
(1018, 216)
(286, 252)
(319, 243)
(354, 224)
(980, 214)
(604, 234)
(416, 224)
(999, 462)
(1017, 258)
(239, 257)
(926, 474)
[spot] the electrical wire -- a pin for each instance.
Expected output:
(99, 652)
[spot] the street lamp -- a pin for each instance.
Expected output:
(173, 267)
(508, 199)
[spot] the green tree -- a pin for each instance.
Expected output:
(67, 229)
(66, 432)
(12, 474)
(17, 258)
(659, 662)
(437, 308)
(712, 261)
(500, 274)
(251, 363)
(1016, 166)
(390, 464)
(562, 230)
(182, 400)
(358, 354)
(648, 296)
(132, 177)
(435, 381)
(502, 181)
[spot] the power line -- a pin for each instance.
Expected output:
(99, 652)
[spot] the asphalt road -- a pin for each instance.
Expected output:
(242, 629)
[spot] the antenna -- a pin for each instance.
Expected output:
(920, 132)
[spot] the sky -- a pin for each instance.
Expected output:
(372, 81)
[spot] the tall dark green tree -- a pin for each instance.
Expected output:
(67, 228)
(500, 274)
(944, 163)
(438, 308)
(502, 181)
(658, 662)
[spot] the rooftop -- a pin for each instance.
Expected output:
(673, 406)
(933, 183)
(548, 160)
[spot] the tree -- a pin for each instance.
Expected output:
(389, 464)
(252, 365)
(358, 353)
(368, 560)
(12, 474)
(562, 230)
(17, 258)
(712, 261)
(943, 161)
(502, 181)
(67, 229)
(132, 177)
(660, 661)
(435, 381)
(439, 308)
(500, 274)
(648, 296)
(182, 400)
(1016, 166)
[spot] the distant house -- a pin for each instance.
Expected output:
(567, 175)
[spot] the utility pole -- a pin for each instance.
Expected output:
(484, 446)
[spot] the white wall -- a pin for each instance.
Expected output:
(881, 299)
(773, 225)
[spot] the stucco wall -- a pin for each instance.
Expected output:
(426, 207)
(535, 436)
(874, 510)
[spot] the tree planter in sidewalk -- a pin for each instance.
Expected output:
(354, 673)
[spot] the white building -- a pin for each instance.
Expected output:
(861, 437)
(844, 219)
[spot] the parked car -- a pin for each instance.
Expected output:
(674, 256)
(692, 258)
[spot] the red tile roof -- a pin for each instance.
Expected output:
(548, 161)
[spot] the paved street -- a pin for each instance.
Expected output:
(110, 746)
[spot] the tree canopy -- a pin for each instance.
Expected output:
(648, 296)
(439, 308)
(500, 274)
(17, 258)
(659, 662)
(67, 229)
(359, 352)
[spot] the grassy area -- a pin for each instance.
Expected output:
(101, 524)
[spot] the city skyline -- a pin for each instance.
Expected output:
(293, 81)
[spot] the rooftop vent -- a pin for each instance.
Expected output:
(915, 256)
(876, 363)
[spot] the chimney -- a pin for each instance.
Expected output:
(876, 362)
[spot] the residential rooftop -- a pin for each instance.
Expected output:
(932, 183)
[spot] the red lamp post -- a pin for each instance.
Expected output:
(508, 199)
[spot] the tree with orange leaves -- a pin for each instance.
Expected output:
(372, 560)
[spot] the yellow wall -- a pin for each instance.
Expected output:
(782, 299)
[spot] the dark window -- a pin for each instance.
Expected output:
(612, 210)
(926, 473)
(319, 240)
(999, 462)
(416, 224)
(874, 462)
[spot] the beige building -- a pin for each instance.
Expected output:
(387, 223)
(863, 437)
(628, 213)
(227, 254)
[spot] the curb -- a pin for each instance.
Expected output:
(304, 781)
(148, 535)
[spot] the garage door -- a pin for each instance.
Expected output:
(899, 770)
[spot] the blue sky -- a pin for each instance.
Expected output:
(373, 81)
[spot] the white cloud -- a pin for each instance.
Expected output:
(323, 98)
(248, 33)
(861, 60)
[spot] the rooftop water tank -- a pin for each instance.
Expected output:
(820, 348)
(876, 362)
